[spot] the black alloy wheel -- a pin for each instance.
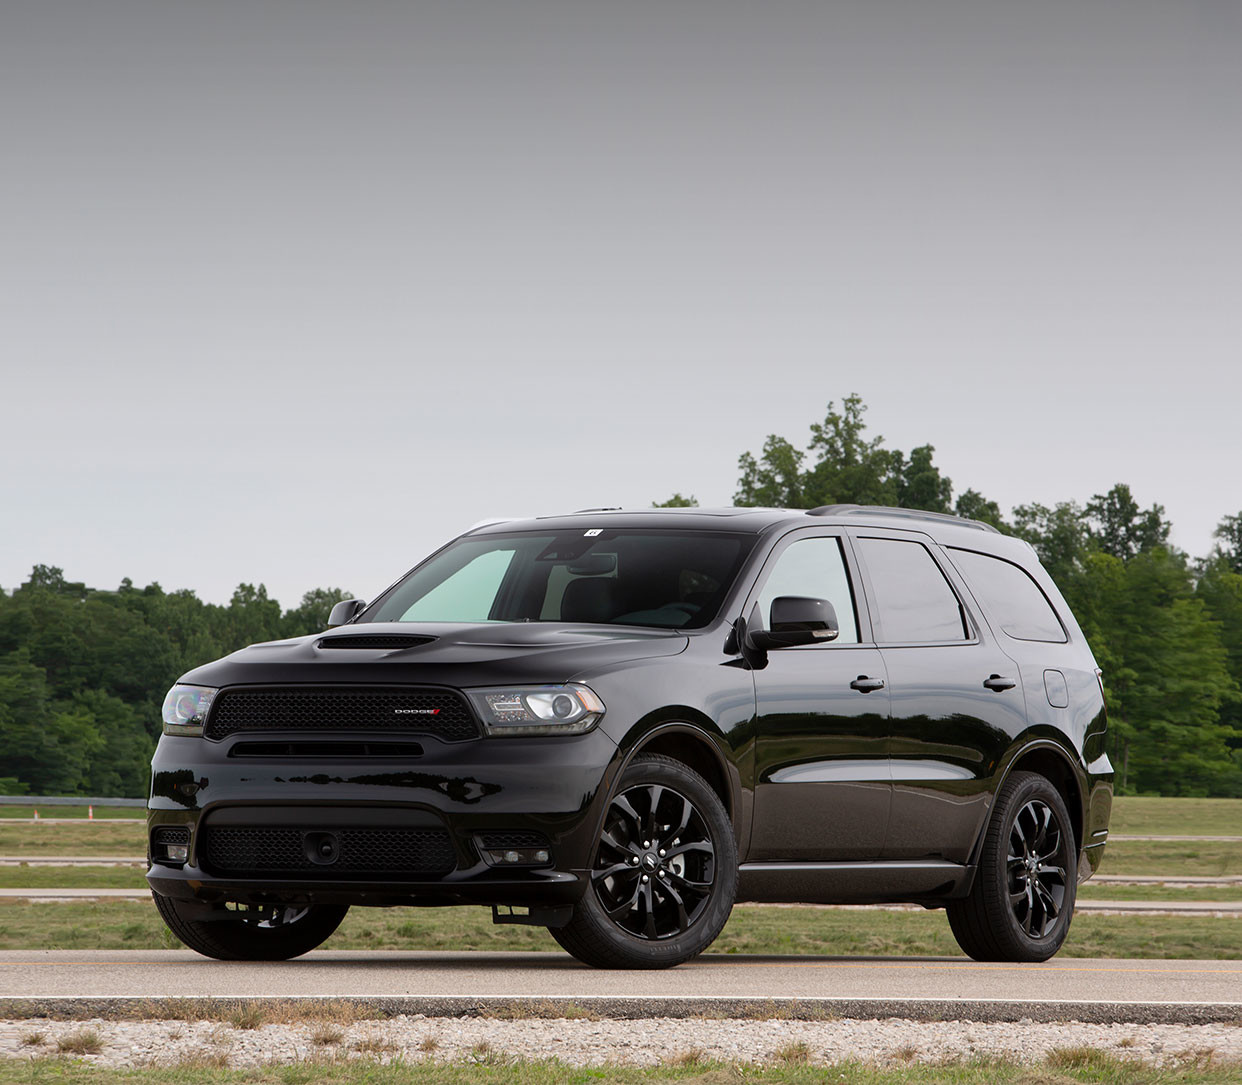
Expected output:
(656, 862)
(1022, 900)
(258, 932)
(664, 876)
(1036, 869)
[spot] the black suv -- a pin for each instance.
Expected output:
(615, 724)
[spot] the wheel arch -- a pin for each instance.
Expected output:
(1052, 761)
(695, 746)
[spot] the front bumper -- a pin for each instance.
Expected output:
(556, 787)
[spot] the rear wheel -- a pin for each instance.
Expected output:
(1021, 904)
(268, 932)
(664, 875)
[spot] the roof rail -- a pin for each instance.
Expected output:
(602, 508)
(904, 514)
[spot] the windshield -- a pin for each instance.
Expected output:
(675, 580)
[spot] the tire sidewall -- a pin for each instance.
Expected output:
(995, 868)
(705, 930)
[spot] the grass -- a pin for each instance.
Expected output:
(1147, 892)
(79, 877)
(755, 929)
(485, 1066)
(1171, 857)
(1143, 816)
(114, 837)
(101, 812)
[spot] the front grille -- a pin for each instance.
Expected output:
(427, 711)
(514, 839)
(325, 748)
(360, 853)
(171, 834)
(375, 641)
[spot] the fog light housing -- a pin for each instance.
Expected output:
(170, 845)
(517, 857)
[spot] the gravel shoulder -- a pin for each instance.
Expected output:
(621, 1042)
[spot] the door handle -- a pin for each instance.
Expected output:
(867, 685)
(999, 684)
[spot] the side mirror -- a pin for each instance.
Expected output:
(345, 612)
(796, 620)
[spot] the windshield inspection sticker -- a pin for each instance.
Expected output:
(593, 531)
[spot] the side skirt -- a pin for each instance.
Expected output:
(927, 881)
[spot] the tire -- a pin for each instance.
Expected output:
(664, 873)
(1022, 902)
(259, 933)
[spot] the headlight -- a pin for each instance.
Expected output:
(186, 708)
(538, 710)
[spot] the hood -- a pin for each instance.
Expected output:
(460, 655)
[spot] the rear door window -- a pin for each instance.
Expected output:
(915, 603)
(1012, 598)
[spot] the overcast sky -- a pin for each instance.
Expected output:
(292, 292)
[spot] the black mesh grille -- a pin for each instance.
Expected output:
(171, 834)
(432, 712)
(376, 641)
(514, 839)
(254, 852)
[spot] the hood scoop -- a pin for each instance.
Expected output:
(376, 642)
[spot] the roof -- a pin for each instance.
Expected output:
(746, 520)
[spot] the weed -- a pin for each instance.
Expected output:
(374, 1045)
(797, 1052)
(1079, 1057)
(85, 1041)
(327, 1035)
(32, 1039)
(204, 1060)
(691, 1056)
(906, 1053)
(248, 1015)
(428, 1044)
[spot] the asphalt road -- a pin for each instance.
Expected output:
(450, 983)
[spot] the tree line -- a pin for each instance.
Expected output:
(1165, 628)
(83, 673)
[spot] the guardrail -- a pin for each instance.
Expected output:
(68, 800)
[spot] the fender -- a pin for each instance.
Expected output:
(1027, 744)
(640, 737)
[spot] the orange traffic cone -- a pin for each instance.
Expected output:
(36, 810)
(90, 813)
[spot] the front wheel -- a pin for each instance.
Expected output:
(1021, 904)
(665, 872)
(269, 932)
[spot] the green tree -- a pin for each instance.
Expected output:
(311, 616)
(1220, 588)
(1229, 546)
(1060, 537)
(677, 501)
(774, 480)
(1166, 672)
(1119, 527)
(846, 466)
(972, 505)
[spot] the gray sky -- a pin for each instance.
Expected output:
(292, 292)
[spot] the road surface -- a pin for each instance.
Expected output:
(443, 983)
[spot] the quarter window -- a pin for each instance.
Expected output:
(1011, 597)
(915, 602)
(814, 568)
